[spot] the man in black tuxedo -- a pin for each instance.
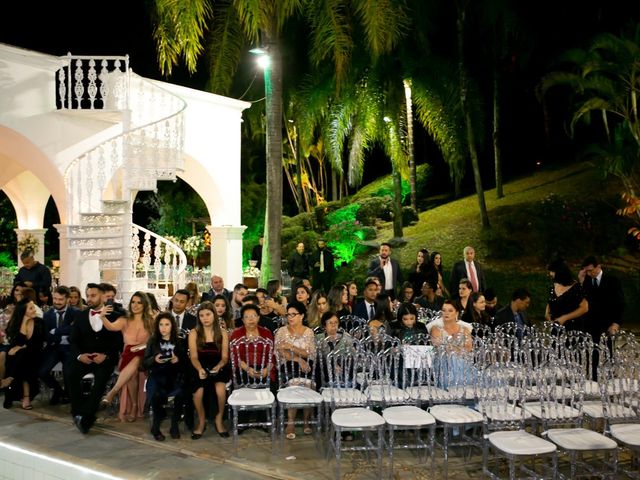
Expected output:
(605, 296)
(515, 312)
(387, 270)
(322, 263)
(366, 307)
(94, 350)
(184, 320)
(470, 269)
(217, 288)
(57, 321)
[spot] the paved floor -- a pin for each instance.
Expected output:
(129, 451)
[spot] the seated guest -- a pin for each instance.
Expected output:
(250, 315)
(269, 322)
(384, 310)
(209, 354)
(491, 300)
(478, 313)
(6, 310)
(332, 339)
(275, 300)
(57, 324)
(44, 300)
(464, 296)
(25, 334)
(407, 326)
(429, 299)
(136, 328)
(338, 298)
(224, 312)
(318, 305)
(352, 288)
(296, 342)
(194, 297)
(516, 310)
(75, 299)
(407, 292)
(303, 294)
(94, 350)
(366, 308)
(162, 359)
(179, 304)
(451, 327)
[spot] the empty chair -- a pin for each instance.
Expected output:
(252, 364)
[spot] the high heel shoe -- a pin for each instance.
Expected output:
(224, 434)
(196, 436)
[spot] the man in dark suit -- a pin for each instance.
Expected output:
(387, 270)
(515, 312)
(184, 320)
(57, 321)
(604, 293)
(94, 350)
(323, 267)
(217, 288)
(366, 307)
(470, 269)
(298, 266)
(33, 274)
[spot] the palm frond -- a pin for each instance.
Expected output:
(179, 31)
(384, 21)
(225, 47)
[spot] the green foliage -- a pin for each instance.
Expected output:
(344, 214)
(375, 207)
(304, 220)
(252, 215)
(179, 209)
(409, 215)
(345, 241)
(6, 261)
(293, 235)
(324, 209)
(7, 224)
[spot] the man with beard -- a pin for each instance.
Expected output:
(387, 270)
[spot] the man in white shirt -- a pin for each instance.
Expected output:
(387, 270)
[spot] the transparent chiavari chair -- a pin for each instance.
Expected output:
(559, 411)
(503, 423)
(349, 322)
(621, 410)
(251, 391)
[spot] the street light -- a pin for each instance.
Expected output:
(264, 60)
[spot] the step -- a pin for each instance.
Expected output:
(87, 231)
(102, 219)
(112, 264)
(103, 242)
(101, 253)
(115, 206)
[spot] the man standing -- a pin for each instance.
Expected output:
(323, 267)
(33, 274)
(515, 312)
(467, 268)
(387, 270)
(256, 253)
(604, 293)
(217, 288)
(94, 351)
(298, 266)
(57, 321)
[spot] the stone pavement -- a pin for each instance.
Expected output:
(128, 450)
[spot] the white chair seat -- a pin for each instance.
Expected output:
(623, 384)
(386, 393)
(502, 413)
(251, 397)
(520, 442)
(298, 394)
(553, 411)
(343, 396)
(627, 433)
(592, 388)
(593, 409)
(426, 393)
(407, 416)
(580, 439)
(458, 414)
(356, 417)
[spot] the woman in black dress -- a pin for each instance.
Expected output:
(164, 358)
(567, 304)
(25, 333)
(209, 353)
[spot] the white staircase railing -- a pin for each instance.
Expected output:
(162, 262)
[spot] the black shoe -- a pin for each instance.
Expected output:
(222, 434)
(7, 400)
(77, 421)
(196, 436)
(55, 398)
(158, 436)
(175, 433)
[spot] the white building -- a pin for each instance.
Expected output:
(91, 133)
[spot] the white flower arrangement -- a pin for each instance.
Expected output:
(193, 246)
(251, 270)
(29, 243)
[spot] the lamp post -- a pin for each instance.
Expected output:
(269, 61)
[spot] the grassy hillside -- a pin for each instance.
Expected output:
(566, 211)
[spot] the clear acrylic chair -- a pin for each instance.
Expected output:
(252, 366)
(501, 393)
(297, 375)
(560, 413)
(343, 393)
(349, 322)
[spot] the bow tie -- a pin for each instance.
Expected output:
(95, 312)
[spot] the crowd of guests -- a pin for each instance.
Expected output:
(183, 351)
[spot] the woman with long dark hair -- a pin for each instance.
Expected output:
(224, 312)
(436, 261)
(25, 333)
(164, 358)
(338, 298)
(566, 304)
(209, 354)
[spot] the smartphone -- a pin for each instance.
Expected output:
(109, 302)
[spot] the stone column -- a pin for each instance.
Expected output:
(38, 233)
(226, 253)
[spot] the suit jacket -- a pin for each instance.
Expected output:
(361, 309)
(459, 271)
(51, 323)
(188, 321)
(376, 270)
(208, 296)
(329, 267)
(505, 315)
(84, 340)
(606, 303)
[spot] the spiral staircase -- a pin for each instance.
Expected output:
(142, 146)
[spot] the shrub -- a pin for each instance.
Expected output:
(409, 216)
(304, 220)
(324, 209)
(373, 208)
(345, 241)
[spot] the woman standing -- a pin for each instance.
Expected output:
(421, 271)
(136, 329)
(25, 333)
(209, 353)
(567, 303)
(436, 261)
(164, 358)
(295, 342)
